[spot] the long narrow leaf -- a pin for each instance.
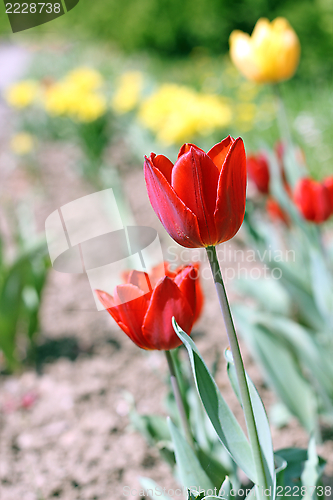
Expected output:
(192, 476)
(262, 424)
(222, 418)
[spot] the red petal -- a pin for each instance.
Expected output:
(313, 200)
(219, 152)
(328, 183)
(198, 291)
(186, 282)
(195, 179)
(108, 302)
(166, 301)
(186, 147)
(199, 294)
(231, 193)
(303, 198)
(323, 203)
(140, 279)
(158, 272)
(132, 308)
(258, 171)
(105, 299)
(163, 164)
(178, 220)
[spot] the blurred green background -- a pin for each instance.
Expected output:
(172, 28)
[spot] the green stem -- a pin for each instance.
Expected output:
(239, 367)
(293, 170)
(282, 118)
(179, 399)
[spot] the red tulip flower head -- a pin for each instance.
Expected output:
(200, 200)
(313, 200)
(275, 212)
(144, 307)
(258, 171)
(328, 183)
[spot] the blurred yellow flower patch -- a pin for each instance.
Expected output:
(22, 143)
(128, 92)
(178, 113)
(85, 78)
(21, 94)
(77, 96)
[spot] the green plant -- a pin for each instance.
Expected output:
(22, 279)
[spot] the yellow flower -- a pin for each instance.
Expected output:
(84, 78)
(69, 97)
(270, 54)
(58, 98)
(177, 113)
(22, 143)
(128, 92)
(21, 94)
(91, 107)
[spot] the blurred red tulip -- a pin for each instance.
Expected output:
(200, 200)
(258, 171)
(328, 183)
(313, 200)
(280, 151)
(144, 307)
(276, 212)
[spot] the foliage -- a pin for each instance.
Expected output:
(213, 458)
(22, 279)
(288, 468)
(170, 28)
(289, 327)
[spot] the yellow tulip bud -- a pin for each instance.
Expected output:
(270, 54)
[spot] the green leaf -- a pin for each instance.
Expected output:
(225, 488)
(312, 471)
(268, 292)
(281, 369)
(155, 430)
(314, 356)
(289, 481)
(152, 489)
(322, 285)
(262, 424)
(192, 476)
(222, 418)
(213, 468)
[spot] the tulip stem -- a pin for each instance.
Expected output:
(282, 118)
(178, 398)
(239, 367)
(293, 172)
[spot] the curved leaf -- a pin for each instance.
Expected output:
(222, 418)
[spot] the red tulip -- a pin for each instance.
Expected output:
(258, 171)
(144, 307)
(276, 212)
(328, 183)
(200, 200)
(313, 200)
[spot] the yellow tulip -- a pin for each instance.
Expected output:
(21, 94)
(176, 113)
(270, 54)
(128, 92)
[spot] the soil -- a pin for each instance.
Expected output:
(64, 430)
